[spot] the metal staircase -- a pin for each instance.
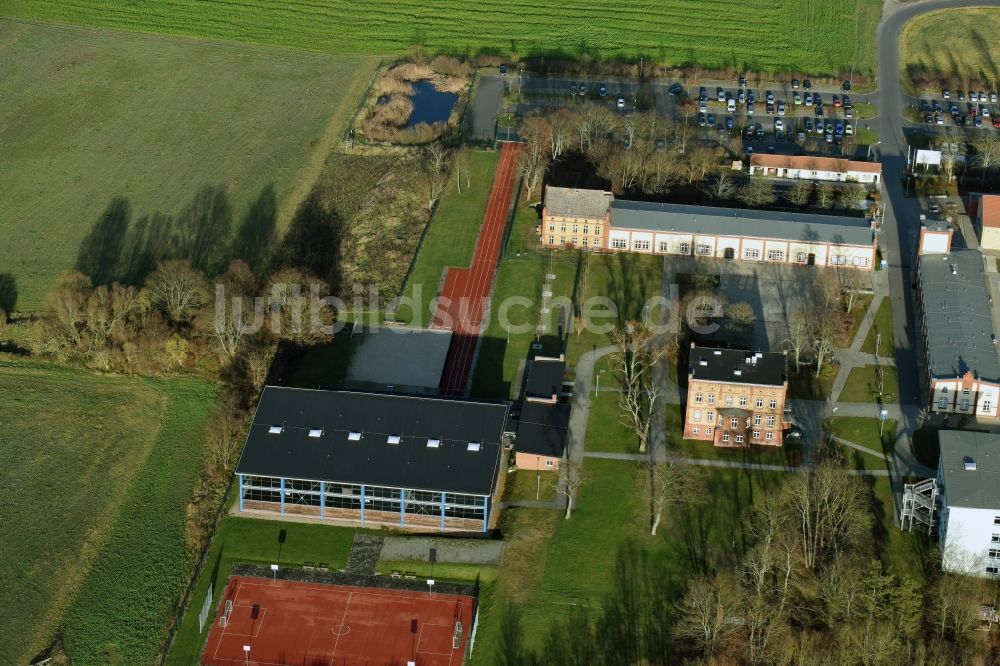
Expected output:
(919, 505)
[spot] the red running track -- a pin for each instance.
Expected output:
(463, 298)
(289, 623)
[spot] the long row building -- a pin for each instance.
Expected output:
(596, 220)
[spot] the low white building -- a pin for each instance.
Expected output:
(812, 167)
(760, 236)
(961, 364)
(969, 494)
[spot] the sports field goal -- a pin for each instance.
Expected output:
(456, 637)
(226, 612)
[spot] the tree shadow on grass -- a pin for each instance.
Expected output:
(8, 292)
(312, 242)
(100, 250)
(254, 240)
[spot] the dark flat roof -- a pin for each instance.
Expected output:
(545, 376)
(543, 429)
(977, 488)
(411, 463)
(737, 365)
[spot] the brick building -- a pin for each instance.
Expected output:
(542, 421)
(735, 397)
(814, 167)
(988, 221)
(594, 220)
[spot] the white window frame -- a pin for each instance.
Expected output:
(770, 434)
(640, 245)
(760, 403)
(775, 255)
(751, 253)
(619, 243)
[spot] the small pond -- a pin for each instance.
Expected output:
(430, 105)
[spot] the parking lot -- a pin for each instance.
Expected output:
(960, 108)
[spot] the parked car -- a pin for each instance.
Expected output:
(847, 102)
(743, 81)
(829, 138)
(711, 120)
(819, 111)
(938, 119)
(809, 99)
(778, 124)
(702, 95)
(770, 108)
(849, 129)
(846, 87)
(741, 96)
(583, 88)
(675, 89)
(621, 103)
(925, 105)
(817, 100)
(983, 96)
(985, 111)
(996, 122)
(807, 124)
(953, 110)
(936, 105)
(730, 123)
(929, 119)
(702, 120)
(720, 94)
(836, 102)
(795, 84)
(760, 132)
(807, 85)
(838, 128)
(602, 90)
(731, 105)
(945, 94)
(779, 136)
(749, 108)
(961, 96)
(978, 121)
(794, 432)
(973, 97)
(973, 110)
(751, 97)
(960, 121)
(796, 99)
(993, 98)
(770, 97)
(802, 136)
(781, 108)
(848, 113)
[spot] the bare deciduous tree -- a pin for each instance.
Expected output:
(987, 153)
(824, 334)
(800, 193)
(705, 611)
(722, 188)
(798, 334)
(825, 195)
(535, 155)
(757, 192)
(574, 476)
(224, 431)
(636, 358)
(178, 289)
(562, 123)
(669, 485)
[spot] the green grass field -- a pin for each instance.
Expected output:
(112, 135)
(93, 497)
(451, 237)
(927, 45)
(861, 383)
(807, 35)
(882, 325)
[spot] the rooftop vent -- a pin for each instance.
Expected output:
(433, 443)
(717, 352)
(703, 362)
(738, 372)
(354, 436)
(969, 463)
(393, 439)
(473, 446)
(275, 429)
(315, 432)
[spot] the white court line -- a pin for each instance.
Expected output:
(343, 620)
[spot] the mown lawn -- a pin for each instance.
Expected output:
(108, 137)
(806, 35)
(450, 239)
(258, 542)
(927, 44)
(882, 325)
(98, 478)
(527, 484)
(862, 384)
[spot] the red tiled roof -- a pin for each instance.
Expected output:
(813, 163)
(990, 205)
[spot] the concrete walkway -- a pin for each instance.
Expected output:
(725, 464)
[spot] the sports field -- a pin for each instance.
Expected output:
(953, 43)
(127, 129)
(807, 35)
(93, 489)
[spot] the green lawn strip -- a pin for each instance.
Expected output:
(805, 385)
(861, 383)
(512, 325)
(628, 281)
(857, 316)
(883, 325)
(605, 431)
(77, 194)
(256, 541)
(124, 605)
(72, 444)
(865, 137)
(803, 36)
(526, 484)
(450, 238)
(441, 571)
(864, 431)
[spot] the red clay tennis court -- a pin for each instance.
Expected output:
(291, 623)
(463, 298)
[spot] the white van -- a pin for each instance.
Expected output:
(731, 105)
